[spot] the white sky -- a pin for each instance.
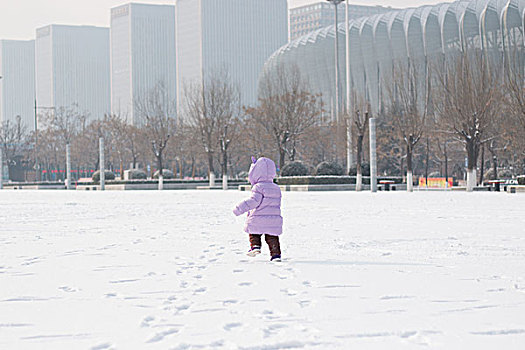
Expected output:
(20, 18)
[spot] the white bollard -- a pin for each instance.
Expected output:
(410, 181)
(373, 155)
(212, 180)
(359, 182)
(161, 182)
(68, 167)
(471, 179)
(102, 165)
(224, 182)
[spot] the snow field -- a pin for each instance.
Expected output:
(168, 270)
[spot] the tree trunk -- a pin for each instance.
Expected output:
(426, 162)
(282, 156)
(446, 166)
(225, 170)
(495, 167)
(410, 181)
(471, 164)
(181, 171)
(210, 163)
(482, 168)
(402, 169)
(161, 175)
(359, 164)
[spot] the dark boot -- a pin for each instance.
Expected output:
(273, 244)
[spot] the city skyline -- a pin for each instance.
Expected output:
(21, 19)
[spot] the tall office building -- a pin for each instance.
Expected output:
(142, 56)
(17, 85)
(236, 35)
(306, 19)
(72, 69)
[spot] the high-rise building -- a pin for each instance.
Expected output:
(17, 85)
(72, 69)
(306, 19)
(232, 35)
(142, 56)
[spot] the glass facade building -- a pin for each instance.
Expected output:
(234, 35)
(17, 86)
(422, 34)
(142, 55)
(72, 69)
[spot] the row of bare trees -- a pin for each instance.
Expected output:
(467, 101)
(434, 114)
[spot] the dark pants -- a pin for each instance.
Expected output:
(272, 241)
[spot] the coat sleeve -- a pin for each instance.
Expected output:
(248, 204)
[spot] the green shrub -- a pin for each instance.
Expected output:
(329, 168)
(331, 180)
(294, 169)
(108, 175)
(137, 174)
(166, 173)
(365, 169)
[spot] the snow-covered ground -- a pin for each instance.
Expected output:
(168, 270)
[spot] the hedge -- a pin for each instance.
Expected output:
(330, 180)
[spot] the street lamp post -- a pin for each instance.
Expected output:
(336, 62)
(349, 150)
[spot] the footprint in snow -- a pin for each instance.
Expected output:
(182, 307)
(289, 292)
(273, 329)
(199, 290)
(245, 284)
(230, 326)
(102, 346)
(160, 336)
(146, 321)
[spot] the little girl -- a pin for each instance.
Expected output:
(264, 208)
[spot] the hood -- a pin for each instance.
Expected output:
(262, 171)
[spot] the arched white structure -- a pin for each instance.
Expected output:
(421, 34)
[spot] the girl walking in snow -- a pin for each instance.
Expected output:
(264, 208)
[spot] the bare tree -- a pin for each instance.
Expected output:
(213, 109)
(409, 107)
(286, 108)
(466, 101)
(515, 104)
(361, 126)
(13, 140)
(157, 111)
(66, 122)
(515, 84)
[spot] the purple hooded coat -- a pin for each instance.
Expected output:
(264, 205)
